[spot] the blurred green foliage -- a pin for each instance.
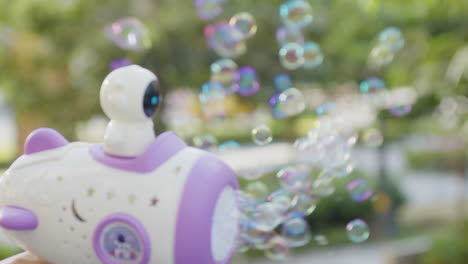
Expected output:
(450, 247)
(53, 53)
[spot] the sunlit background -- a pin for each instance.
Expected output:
(346, 121)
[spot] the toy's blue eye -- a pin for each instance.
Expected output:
(151, 99)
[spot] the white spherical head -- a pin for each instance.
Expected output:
(130, 94)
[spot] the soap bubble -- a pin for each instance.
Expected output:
(291, 56)
(242, 245)
(372, 137)
(252, 235)
(323, 186)
(212, 91)
(294, 179)
(282, 198)
(246, 203)
(205, 141)
(381, 55)
(267, 216)
(313, 56)
(392, 38)
(400, 110)
(273, 102)
(289, 103)
(244, 23)
(257, 190)
(223, 71)
(208, 9)
(359, 190)
(282, 82)
(228, 145)
(246, 81)
(372, 85)
(121, 62)
(304, 204)
(324, 109)
(261, 135)
(321, 240)
(296, 231)
(285, 35)
(296, 13)
(128, 33)
(278, 248)
(224, 40)
(357, 230)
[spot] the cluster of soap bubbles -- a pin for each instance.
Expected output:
(375, 89)
(295, 52)
(128, 33)
(390, 41)
(227, 38)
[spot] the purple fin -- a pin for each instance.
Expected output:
(43, 139)
(16, 218)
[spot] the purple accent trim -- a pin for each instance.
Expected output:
(208, 177)
(165, 146)
(129, 220)
(17, 218)
(43, 139)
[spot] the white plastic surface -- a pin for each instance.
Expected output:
(69, 174)
(130, 131)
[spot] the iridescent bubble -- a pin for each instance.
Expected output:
(304, 204)
(291, 56)
(392, 38)
(224, 40)
(267, 216)
(223, 71)
(128, 33)
(121, 62)
(321, 240)
(246, 81)
(358, 231)
(296, 13)
(359, 190)
(257, 190)
(212, 91)
(400, 110)
(381, 55)
(252, 174)
(205, 141)
(261, 135)
(296, 231)
(208, 9)
(282, 198)
(372, 137)
(228, 145)
(278, 248)
(324, 109)
(285, 35)
(313, 56)
(242, 245)
(290, 102)
(282, 82)
(245, 203)
(303, 143)
(244, 23)
(252, 235)
(294, 179)
(372, 85)
(273, 102)
(323, 186)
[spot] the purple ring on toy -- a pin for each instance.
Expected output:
(128, 220)
(206, 181)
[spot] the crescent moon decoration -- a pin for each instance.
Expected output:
(75, 212)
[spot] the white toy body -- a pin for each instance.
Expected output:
(75, 203)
